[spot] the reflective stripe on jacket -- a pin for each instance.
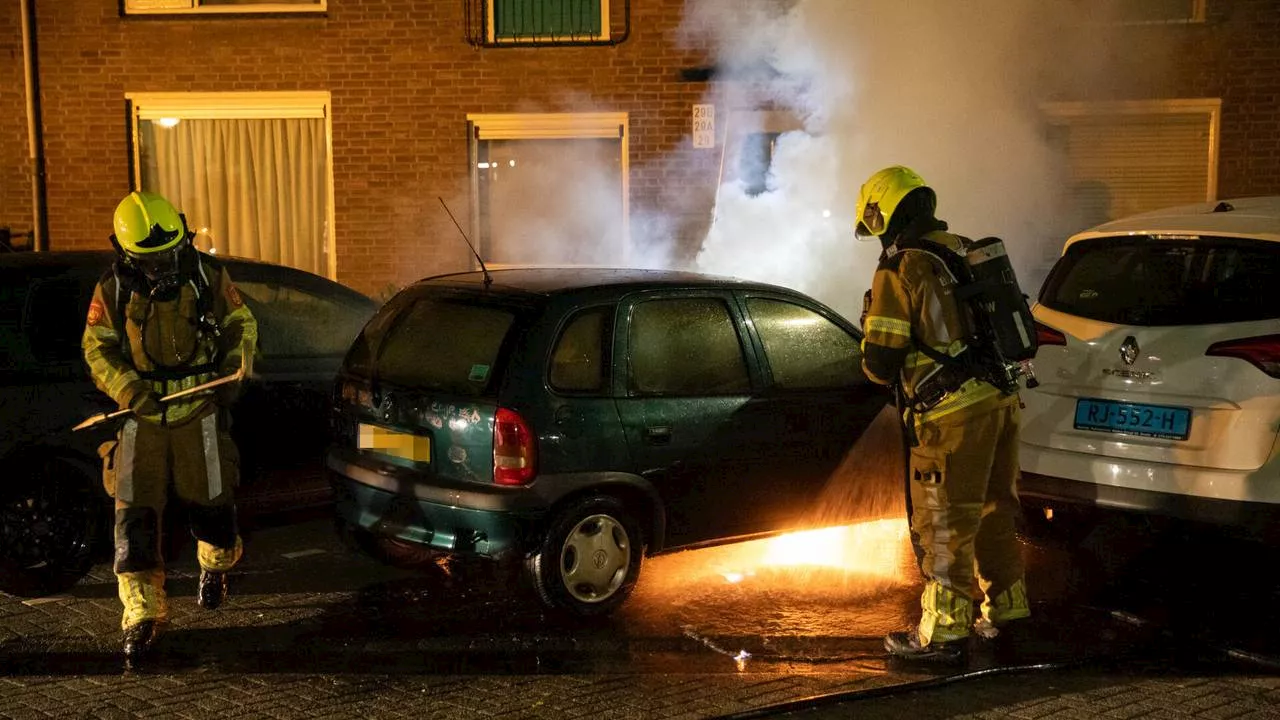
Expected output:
(172, 337)
(913, 300)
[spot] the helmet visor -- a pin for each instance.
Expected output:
(158, 265)
(159, 237)
(871, 222)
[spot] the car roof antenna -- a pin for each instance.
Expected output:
(488, 279)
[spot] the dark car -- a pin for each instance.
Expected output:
(579, 419)
(53, 510)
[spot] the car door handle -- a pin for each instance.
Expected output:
(657, 434)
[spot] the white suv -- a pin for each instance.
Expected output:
(1159, 367)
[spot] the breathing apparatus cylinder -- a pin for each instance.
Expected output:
(1005, 309)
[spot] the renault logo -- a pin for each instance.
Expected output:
(1129, 350)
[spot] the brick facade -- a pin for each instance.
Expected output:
(403, 79)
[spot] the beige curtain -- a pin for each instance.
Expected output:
(250, 188)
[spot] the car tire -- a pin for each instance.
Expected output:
(51, 523)
(588, 561)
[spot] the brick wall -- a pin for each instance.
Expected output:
(15, 169)
(1234, 56)
(402, 80)
(1237, 58)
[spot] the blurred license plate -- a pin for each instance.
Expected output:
(1160, 421)
(394, 443)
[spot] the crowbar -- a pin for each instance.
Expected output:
(104, 417)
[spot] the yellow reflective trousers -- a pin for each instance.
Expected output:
(964, 503)
(199, 461)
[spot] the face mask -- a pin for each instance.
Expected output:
(161, 269)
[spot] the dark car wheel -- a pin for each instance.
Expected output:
(50, 518)
(589, 560)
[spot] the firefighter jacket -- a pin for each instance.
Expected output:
(166, 346)
(912, 302)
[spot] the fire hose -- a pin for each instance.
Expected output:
(1259, 661)
(1230, 654)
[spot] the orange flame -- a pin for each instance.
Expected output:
(872, 549)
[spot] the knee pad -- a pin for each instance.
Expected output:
(215, 524)
(137, 540)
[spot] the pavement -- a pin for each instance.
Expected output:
(313, 631)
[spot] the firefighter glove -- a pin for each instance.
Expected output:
(146, 403)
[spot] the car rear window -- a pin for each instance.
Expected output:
(447, 345)
(1143, 280)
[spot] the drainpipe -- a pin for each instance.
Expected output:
(35, 128)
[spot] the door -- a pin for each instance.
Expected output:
(686, 377)
(816, 404)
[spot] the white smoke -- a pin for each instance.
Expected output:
(949, 89)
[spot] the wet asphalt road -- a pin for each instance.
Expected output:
(304, 605)
(708, 632)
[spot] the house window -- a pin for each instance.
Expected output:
(515, 21)
(1130, 157)
(530, 20)
(180, 7)
(751, 137)
(550, 188)
(252, 172)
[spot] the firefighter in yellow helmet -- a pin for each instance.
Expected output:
(163, 319)
(963, 429)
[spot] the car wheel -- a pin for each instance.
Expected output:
(589, 560)
(50, 519)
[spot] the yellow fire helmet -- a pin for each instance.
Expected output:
(146, 223)
(880, 196)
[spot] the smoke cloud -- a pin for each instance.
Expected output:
(949, 89)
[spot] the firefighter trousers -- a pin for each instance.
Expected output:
(964, 504)
(199, 462)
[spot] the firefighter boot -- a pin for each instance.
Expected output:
(138, 640)
(905, 644)
(212, 590)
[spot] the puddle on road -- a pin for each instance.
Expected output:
(847, 581)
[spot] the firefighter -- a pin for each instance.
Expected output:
(963, 430)
(163, 319)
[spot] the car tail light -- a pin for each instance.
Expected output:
(1263, 352)
(1046, 335)
(514, 456)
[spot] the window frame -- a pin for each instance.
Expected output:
(766, 364)
(623, 351)
(546, 126)
(492, 38)
(239, 106)
(131, 7)
(609, 313)
(1198, 15)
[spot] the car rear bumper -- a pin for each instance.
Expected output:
(471, 522)
(1259, 519)
(1113, 475)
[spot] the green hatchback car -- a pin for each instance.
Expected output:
(578, 419)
